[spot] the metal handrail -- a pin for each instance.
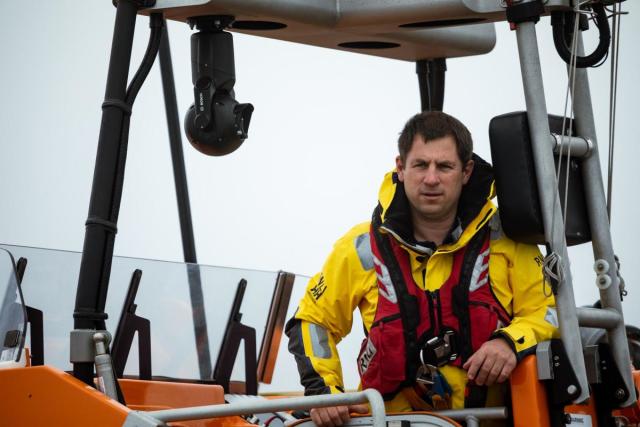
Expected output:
(158, 418)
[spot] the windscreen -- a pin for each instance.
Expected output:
(13, 319)
(172, 296)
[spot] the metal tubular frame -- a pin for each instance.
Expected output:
(549, 198)
(184, 208)
(599, 222)
(262, 406)
(491, 413)
(599, 318)
(97, 253)
(574, 145)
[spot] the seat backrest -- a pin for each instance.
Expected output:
(517, 187)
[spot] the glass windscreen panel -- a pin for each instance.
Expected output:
(13, 318)
(167, 295)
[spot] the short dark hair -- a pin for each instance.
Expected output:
(432, 125)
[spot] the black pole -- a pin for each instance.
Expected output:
(184, 209)
(431, 78)
(101, 225)
(177, 156)
(108, 178)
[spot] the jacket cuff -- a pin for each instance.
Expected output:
(519, 354)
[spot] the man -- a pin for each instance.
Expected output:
(449, 303)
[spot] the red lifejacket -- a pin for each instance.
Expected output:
(407, 317)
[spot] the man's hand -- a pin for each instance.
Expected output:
(335, 416)
(492, 363)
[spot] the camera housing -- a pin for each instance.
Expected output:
(215, 124)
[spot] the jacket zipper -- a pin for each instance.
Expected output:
(436, 311)
(434, 304)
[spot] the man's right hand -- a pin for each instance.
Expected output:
(335, 416)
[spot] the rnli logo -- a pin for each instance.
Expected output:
(365, 358)
(581, 420)
(480, 276)
(384, 279)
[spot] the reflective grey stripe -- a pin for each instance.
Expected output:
(319, 341)
(481, 265)
(312, 382)
(551, 316)
(363, 248)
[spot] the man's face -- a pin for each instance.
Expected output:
(433, 176)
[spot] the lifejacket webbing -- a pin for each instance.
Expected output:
(409, 313)
(460, 294)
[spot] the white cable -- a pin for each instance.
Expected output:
(552, 270)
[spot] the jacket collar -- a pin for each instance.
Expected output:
(475, 196)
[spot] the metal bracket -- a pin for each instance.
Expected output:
(82, 345)
(592, 364)
(554, 364)
(543, 361)
(615, 391)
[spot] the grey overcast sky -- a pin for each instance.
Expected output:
(322, 136)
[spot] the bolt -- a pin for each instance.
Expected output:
(571, 390)
(601, 266)
(556, 358)
(603, 281)
(620, 394)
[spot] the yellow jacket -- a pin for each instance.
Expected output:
(348, 280)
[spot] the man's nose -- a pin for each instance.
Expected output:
(431, 177)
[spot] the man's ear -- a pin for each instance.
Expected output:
(467, 170)
(400, 169)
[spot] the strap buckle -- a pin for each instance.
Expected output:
(426, 374)
(432, 389)
(440, 350)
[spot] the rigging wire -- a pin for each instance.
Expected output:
(572, 81)
(553, 268)
(613, 92)
(569, 95)
(613, 97)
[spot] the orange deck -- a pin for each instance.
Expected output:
(45, 396)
